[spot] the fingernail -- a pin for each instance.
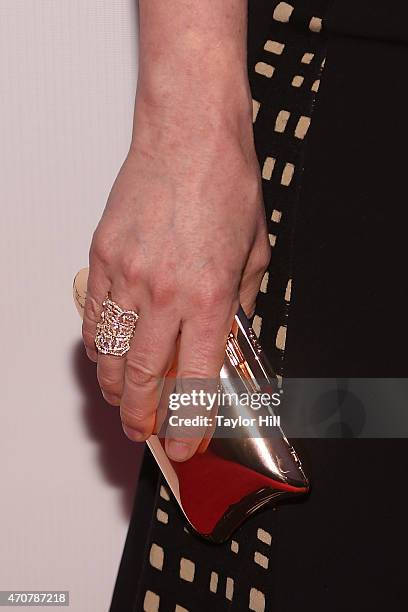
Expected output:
(177, 450)
(113, 400)
(92, 355)
(134, 434)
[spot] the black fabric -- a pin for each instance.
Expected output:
(350, 287)
(374, 20)
(348, 319)
(340, 240)
(275, 95)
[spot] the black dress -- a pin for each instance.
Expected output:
(328, 80)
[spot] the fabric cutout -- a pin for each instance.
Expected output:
(268, 167)
(315, 24)
(276, 215)
(265, 69)
(283, 12)
(256, 600)
(156, 556)
(281, 121)
(214, 582)
(264, 536)
(264, 283)
(261, 559)
(297, 80)
(164, 493)
(287, 174)
(162, 516)
(274, 46)
(315, 86)
(307, 58)
(302, 127)
(257, 323)
(255, 108)
(151, 602)
(229, 588)
(187, 569)
(234, 546)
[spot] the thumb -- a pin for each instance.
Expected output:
(248, 292)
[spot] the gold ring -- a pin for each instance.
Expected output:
(115, 329)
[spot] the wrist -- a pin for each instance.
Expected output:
(199, 85)
(180, 109)
(201, 43)
(193, 69)
(191, 129)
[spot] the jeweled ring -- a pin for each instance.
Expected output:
(115, 329)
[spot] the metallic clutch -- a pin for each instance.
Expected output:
(239, 472)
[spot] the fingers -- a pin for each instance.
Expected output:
(135, 382)
(167, 390)
(201, 355)
(163, 406)
(110, 372)
(111, 368)
(147, 362)
(249, 291)
(253, 275)
(97, 289)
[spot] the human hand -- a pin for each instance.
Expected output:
(182, 241)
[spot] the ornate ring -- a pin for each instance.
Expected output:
(115, 329)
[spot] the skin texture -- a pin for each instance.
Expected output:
(183, 238)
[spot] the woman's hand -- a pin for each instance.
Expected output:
(182, 241)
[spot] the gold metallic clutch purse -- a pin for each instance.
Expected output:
(244, 468)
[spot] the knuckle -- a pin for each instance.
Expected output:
(132, 416)
(136, 417)
(131, 269)
(132, 434)
(111, 398)
(108, 383)
(92, 310)
(263, 259)
(101, 249)
(138, 374)
(162, 295)
(209, 294)
(163, 291)
(253, 186)
(88, 338)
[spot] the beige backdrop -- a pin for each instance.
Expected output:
(67, 78)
